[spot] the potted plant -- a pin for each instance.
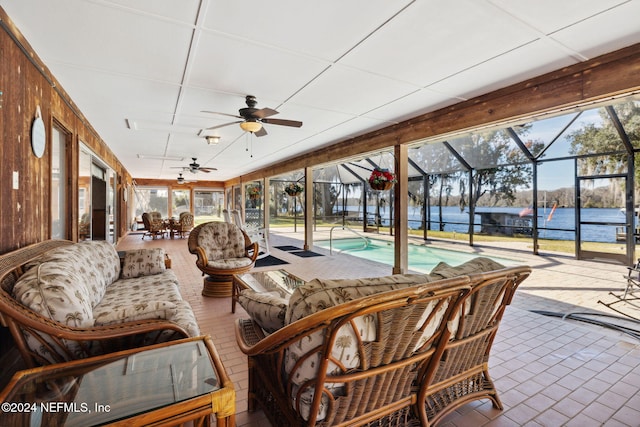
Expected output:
(293, 189)
(382, 179)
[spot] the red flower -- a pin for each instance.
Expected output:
(379, 176)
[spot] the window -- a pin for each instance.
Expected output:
(58, 184)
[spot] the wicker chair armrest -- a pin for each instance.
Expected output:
(201, 255)
(248, 333)
(251, 251)
(14, 312)
(125, 329)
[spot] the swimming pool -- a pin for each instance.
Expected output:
(421, 258)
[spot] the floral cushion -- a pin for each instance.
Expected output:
(221, 240)
(140, 311)
(141, 290)
(57, 291)
(320, 294)
(229, 263)
(267, 309)
(143, 262)
(477, 265)
(95, 261)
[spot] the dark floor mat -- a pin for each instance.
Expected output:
(287, 248)
(269, 260)
(306, 254)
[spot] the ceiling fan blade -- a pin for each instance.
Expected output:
(261, 132)
(283, 122)
(207, 170)
(264, 112)
(222, 114)
(226, 124)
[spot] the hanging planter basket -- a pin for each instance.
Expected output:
(254, 193)
(381, 186)
(293, 189)
(382, 179)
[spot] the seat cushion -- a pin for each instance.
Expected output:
(229, 263)
(124, 294)
(138, 311)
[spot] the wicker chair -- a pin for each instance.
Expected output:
(153, 227)
(222, 250)
(184, 224)
(410, 325)
(462, 373)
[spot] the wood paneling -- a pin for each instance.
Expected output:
(26, 83)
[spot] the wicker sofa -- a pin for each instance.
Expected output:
(395, 350)
(64, 301)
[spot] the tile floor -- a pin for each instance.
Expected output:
(549, 371)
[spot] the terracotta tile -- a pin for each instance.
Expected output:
(548, 371)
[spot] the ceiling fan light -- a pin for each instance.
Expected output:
(212, 139)
(251, 126)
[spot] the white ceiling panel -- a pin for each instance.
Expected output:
(326, 30)
(433, 40)
(342, 68)
(416, 103)
(240, 67)
(549, 16)
(611, 30)
(351, 91)
(512, 67)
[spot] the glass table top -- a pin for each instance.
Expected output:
(114, 388)
(280, 281)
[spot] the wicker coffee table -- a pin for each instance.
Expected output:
(165, 384)
(280, 281)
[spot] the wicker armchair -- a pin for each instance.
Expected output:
(462, 373)
(183, 226)
(393, 335)
(222, 250)
(153, 226)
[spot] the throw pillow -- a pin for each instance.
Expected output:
(265, 308)
(143, 262)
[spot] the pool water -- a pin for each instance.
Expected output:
(421, 258)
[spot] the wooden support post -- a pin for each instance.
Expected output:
(401, 210)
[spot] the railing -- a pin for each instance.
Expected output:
(345, 227)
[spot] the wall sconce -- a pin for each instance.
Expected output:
(212, 139)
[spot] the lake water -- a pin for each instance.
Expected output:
(561, 226)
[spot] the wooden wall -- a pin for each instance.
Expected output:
(26, 83)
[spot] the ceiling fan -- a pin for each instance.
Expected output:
(194, 167)
(183, 180)
(253, 118)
